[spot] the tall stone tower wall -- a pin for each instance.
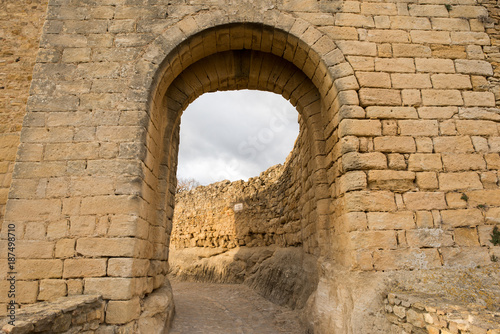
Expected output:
(398, 152)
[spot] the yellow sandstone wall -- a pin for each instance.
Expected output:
(21, 23)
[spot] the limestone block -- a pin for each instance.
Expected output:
(84, 268)
(391, 180)
(463, 162)
(396, 161)
(430, 37)
(387, 36)
(39, 269)
(429, 237)
(395, 65)
(451, 81)
(462, 217)
(418, 127)
(459, 181)
(453, 144)
(357, 161)
(484, 231)
(410, 50)
(357, 48)
(466, 237)
(352, 127)
(121, 312)
(26, 291)
(119, 247)
(391, 112)
(452, 24)
(110, 288)
(465, 257)
(374, 79)
(354, 20)
(403, 80)
(395, 144)
(369, 201)
(410, 23)
(123, 267)
(477, 67)
(51, 289)
(350, 181)
(442, 97)
(435, 65)
(373, 239)
(354, 221)
(427, 180)
(75, 287)
(428, 10)
(361, 63)
(33, 210)
(391, 220)
(76, 55)
(110, 205)
(371, 8)
(65, 248)
(411, 97)
(424, 200)
(492, 160)
(33, 249)
(477, 128)
(424, 219)
(484, 197)
(411, 258)
(470, 37)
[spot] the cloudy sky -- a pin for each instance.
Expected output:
(235, 135)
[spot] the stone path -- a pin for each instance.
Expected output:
(207, 308)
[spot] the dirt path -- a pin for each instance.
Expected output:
(206, 308)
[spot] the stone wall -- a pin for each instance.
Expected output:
(76, 314)
(263, 211)
(397, 157)
(20, 28)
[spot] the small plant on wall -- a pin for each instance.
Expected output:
(495, 236)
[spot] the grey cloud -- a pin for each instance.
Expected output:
(235, 135)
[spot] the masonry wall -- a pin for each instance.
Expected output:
(262, 211)
(20, 28)
(399, 152)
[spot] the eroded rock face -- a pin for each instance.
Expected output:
(285, 276)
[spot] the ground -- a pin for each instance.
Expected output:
(208, 308)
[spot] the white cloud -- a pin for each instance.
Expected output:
(235, 135)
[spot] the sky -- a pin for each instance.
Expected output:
(235, 135)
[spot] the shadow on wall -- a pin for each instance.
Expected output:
(246, 232)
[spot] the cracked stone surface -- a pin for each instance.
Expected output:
(208, 308)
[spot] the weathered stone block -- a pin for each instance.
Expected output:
(462, 217)
(390, 220)
(459, 181)
(424, 200)
(406, 259)
(121, 312)
(51, 289)
(395, 144)
(84, 268)
(429, 237)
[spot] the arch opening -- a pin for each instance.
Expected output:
(259, 57)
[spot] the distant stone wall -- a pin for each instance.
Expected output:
(20, 28)
(263, 211)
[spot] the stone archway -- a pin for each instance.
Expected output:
(284, 60)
